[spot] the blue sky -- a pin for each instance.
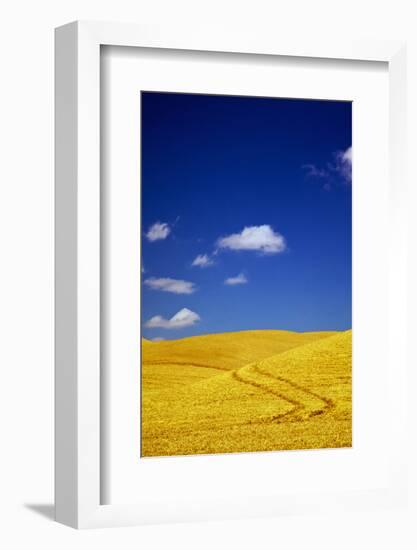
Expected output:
(256, 193)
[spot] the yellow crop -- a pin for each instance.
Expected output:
(278, 390)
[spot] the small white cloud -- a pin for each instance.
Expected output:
(343, 164)
(184, 318)
(202, 260)
(158, 339)
(312, 171)
(339, 167)
(158, 231)
(240, 279)
(257, 237)
(347, 155)
(176, 286)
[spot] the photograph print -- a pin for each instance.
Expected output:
(246, 275)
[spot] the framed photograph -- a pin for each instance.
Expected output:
(230, 275)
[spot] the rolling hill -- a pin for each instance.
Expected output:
(201, 357)
(247, 391)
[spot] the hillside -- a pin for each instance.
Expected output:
(289, 397)
(201, 357)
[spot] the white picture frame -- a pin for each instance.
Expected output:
(78, 405)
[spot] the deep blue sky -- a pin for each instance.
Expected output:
(213, 165)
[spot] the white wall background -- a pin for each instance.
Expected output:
(26, 270)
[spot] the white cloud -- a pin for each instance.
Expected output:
(158, 231)
(184, 318)
(257, 237)
(347, 155)
(176, 286)
(238, 280)
(343, 164)
(340, 167)
(158, 339)
(202, 260)
(312, 171)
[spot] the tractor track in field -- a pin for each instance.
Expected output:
(328, 403)
(297, 406)
(302, 409)
(186, 364)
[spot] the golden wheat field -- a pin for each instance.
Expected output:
(247, 391)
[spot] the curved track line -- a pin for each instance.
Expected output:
(297, 406)
(328, 403)
(300, 410)
(185, 364)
